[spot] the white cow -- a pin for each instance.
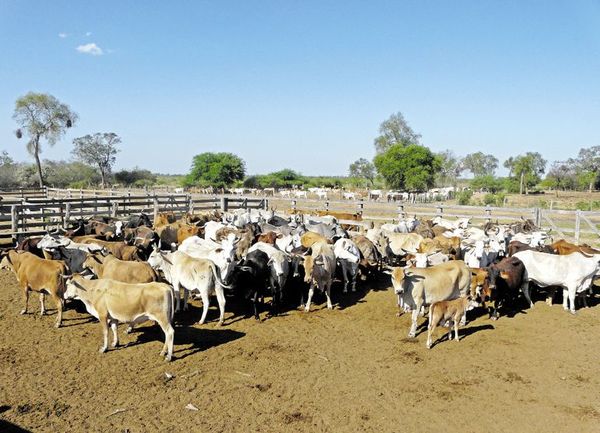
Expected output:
(572, 272)
(348, 255)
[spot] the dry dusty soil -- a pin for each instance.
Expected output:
(346, 370)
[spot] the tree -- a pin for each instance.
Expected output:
(588, 165)
(216, 169)
(410, 168)
(135, 177)
(42, 116)
(480, 164)
(509, 165)
(451, 167)
(486, 182)
(528, 168)
(561, 175)
(395, 130)
(99, 149)
(9, 171)
(362, 169)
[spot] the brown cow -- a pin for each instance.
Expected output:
(120, 270)
(37, 275)
(443, 311)
(341, 215)
(118, 249)
(269, 237)
(562, 248)
(309, 238)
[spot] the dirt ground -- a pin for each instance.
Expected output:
(347, 370)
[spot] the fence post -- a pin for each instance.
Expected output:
(266, 204)
(327, 205)
(224, 204)
(294, 202)
(67, 216)
(114, 209)
(14, 226)
(190, 204)
(46, 192)
(155, 209)
(401, 213)
(488, 214)
(577, 224)
(440, 210)
(361, 207)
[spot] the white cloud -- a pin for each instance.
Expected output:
(62, 35)
(90, 48)
(88, 34)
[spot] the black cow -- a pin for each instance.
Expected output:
(135, 221)
(72, 257)
(506, 278)
(250, 277)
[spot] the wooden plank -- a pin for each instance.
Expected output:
(592, 225)
(552, 225)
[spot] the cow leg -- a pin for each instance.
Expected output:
(430, 329)
(572, 295)
(566, 300)
(25, 298)
(205, 304)
(525, 290)
(104, 325)
(415, 315)
(550, 297)
(59, 309)
(221, 302)
(354, 276)
(185, 299)
(455, 329)
(42, 307)
(169, 336)
(311, 290)
(113, 327)
(401, 309)
(328, 294)
(255, 304)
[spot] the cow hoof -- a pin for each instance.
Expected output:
(494, 318)
(573, 312)
(306, 310)
(57, 325)
(23, 312)
(353, 290)
(128, 330)
(168, 358)
(114, 345)
(42, 313)
(219, 324)
(411, 335)
(102, 350)
(345, 290)
(428, 346)
(201, 322)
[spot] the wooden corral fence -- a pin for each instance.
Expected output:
(579, 226)
(31, 216)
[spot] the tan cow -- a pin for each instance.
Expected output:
(309, 238)
(113, 302)
(319, 269)
(416, 287)
(37, 275)
(442, 311)
(118, 249)
(120, 270)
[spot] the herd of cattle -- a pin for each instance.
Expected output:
(135, 270)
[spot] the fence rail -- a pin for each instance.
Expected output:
(37, 213)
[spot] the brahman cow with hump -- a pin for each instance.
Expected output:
(37, 275)
(113, 302)
(573, 272)
(319, 269)
(417, 287)
(197, 274)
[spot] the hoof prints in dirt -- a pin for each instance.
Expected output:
(289, 418)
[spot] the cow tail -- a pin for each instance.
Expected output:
(171, 304)
(218, 277)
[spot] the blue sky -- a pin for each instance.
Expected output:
(305, 84)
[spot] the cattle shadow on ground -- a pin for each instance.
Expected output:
(197, 339)
(8, 427)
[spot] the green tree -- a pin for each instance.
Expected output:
(135, 177)
(588, 165)
(410, 168)
(362, 169)
(42, 116)
(486, 183)
(561, 175)
(480, 164)
(9, 171)
(216, 169)
(395, 130)
(451, 167)
(99, 150)
(528, 168)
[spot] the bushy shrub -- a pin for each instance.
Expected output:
(463, 198)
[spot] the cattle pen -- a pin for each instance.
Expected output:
(33, 211)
